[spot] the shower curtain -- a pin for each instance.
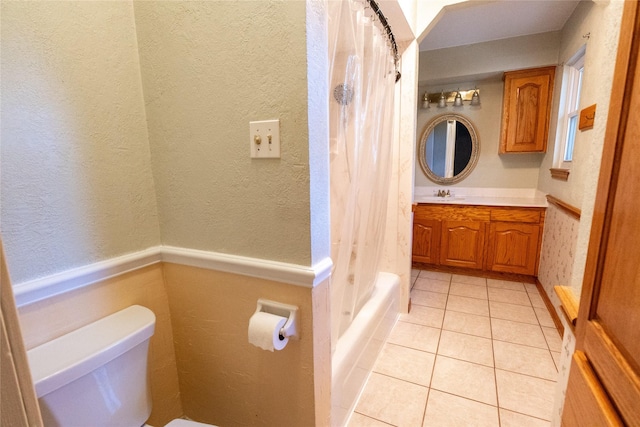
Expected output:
(361, 119)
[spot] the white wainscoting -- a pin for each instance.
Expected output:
(56, 284)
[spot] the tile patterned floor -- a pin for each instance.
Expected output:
(472, 352)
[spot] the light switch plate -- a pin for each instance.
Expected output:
(264, 139)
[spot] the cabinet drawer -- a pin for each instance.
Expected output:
(452, 212)
(515, 215)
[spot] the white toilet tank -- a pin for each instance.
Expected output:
(96, 375)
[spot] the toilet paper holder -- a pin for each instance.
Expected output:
(290, 328)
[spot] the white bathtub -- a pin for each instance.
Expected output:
(359, 346)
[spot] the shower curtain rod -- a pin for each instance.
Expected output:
(383, 20)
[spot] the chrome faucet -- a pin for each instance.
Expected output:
(442, 193)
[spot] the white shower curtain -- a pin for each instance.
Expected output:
(361, 120)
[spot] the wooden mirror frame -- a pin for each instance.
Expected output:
(475, 149)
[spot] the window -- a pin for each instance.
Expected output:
(569, 112)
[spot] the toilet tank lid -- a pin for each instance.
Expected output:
(69, 357)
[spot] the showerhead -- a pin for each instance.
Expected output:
(343, 94)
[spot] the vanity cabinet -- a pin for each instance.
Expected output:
(513, 247)
(526, 107)
(426, 240)
(462, 244)
(500, 239)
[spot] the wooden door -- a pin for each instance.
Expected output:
(462, 244)
(426, 240)
(513, 247)
(604, 382)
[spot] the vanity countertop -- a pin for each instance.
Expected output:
(518, 197)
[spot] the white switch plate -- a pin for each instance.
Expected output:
(267, 132)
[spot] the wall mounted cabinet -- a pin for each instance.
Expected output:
(526, 107)
(500, 239)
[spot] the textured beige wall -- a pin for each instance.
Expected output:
(48, 319)
(486, 59)
(208, 68)
(226, 381)
(76, 185)
(602, 21)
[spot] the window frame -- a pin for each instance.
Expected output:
(569, 110)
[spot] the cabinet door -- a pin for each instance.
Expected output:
(426, 240)
(526, 109)
(513, 247)
(462, 244)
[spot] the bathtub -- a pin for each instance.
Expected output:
(359, 345)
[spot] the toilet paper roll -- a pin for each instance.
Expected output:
(264, 331)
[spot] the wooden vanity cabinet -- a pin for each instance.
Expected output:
(500, 239)
(426, 240)
(526, 106)
(462, 244)
(514, 240)
(513, 247)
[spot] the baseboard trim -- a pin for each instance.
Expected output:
(550, 308)
(59, 283)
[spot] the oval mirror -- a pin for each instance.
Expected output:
(448, 149)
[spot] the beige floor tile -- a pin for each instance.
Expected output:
(505, 284)
(414, 336)
(415, 272)
(523, 359)
(432, 285)
(405, 364)
(393, 401)
(554, 340)
(531, 288)
(536, 300)
(439, 275)
(468, 305)
(518, 332)
(464, 379)
(513, 419)
(359, 420)
(427, 316)
(471, 291)
(509, 296)
(469, 280)
(517, 313)
(556, 359)
(453, 411)
(466, 347)
(413, 281)
(467, 323)
(544, 318)
(428, 299)
(525, 394)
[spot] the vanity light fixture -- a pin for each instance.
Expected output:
(457, 98)
(475, 98)
(425, 101)
(442, 102)
(457, 102)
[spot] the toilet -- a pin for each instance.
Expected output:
(97, 375)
